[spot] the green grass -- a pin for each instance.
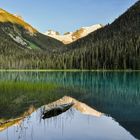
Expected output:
(17, 97)
(25, 86)
(33, 46)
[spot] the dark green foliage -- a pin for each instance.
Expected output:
(115, 46)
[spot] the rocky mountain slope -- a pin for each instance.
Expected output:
(16, 31)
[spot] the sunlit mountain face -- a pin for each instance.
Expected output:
(14, 19)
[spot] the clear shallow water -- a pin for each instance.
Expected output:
(116, 94)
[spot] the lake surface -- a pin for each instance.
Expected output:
(115, 94)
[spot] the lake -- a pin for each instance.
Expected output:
(108, 105)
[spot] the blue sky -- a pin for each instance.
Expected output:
(66, 15)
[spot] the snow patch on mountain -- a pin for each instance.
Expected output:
(18, 39)
(70, 37)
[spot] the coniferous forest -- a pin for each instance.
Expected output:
(115, 46)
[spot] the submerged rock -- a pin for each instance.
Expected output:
(55, 111)
(62, 105)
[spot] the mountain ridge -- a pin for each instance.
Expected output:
(7, 17)
(115, 46)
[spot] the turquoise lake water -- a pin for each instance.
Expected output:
(115, 94)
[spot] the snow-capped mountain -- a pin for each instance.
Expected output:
(70, 37)
(66, 38)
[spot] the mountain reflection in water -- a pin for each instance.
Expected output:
(116, 94)
(67, 126)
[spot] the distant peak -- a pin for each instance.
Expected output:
(51, 32)
(69, 37)
(68, 33)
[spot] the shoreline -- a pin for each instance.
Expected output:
(65, 70)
